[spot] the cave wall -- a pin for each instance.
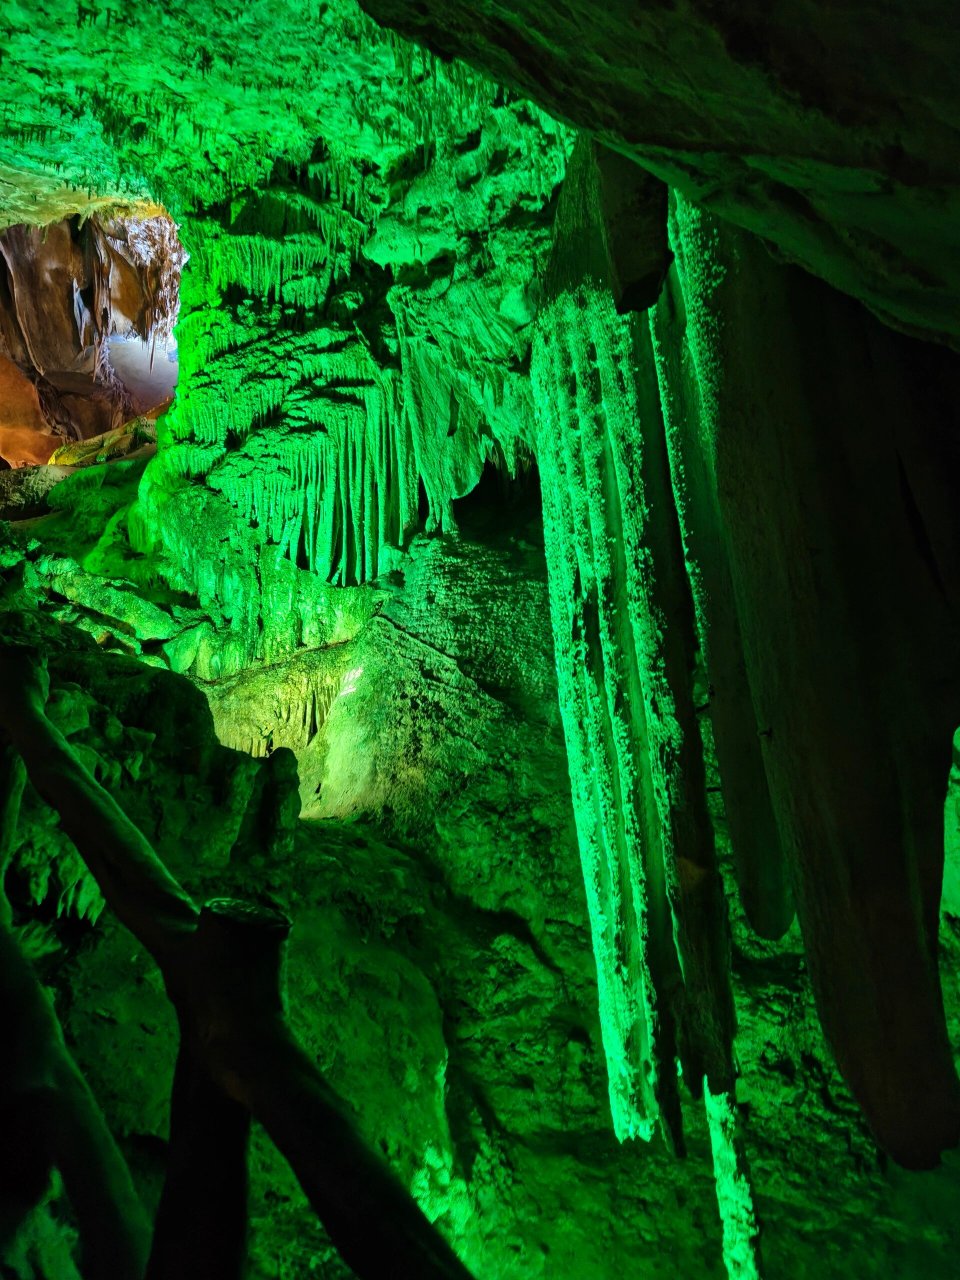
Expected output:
(352, 358)
(440, 969)
(356, 310)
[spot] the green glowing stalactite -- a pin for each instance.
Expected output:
(618, 598)
(627, 639)
(317, 448)
(741, 1233)
(596, 671)
(286, 445)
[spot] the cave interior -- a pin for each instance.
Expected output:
(479, 617)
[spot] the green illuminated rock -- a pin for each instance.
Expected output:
(626, 655)
(597, 573)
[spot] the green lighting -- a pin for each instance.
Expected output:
(538, 592)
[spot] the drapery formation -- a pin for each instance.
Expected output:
(628, 664)
(346, 368)
(826, 443)
(732, 512)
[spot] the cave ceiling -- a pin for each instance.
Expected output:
(829, 130)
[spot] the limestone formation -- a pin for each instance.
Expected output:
(542, 590)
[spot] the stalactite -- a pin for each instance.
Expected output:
(448, 427)
(606, 790)
(619, 588)
(285, 705)
(824, 568)
(318, 486)
(627, 655)
(439, 95)
(741, 1233)
(688, 393)
(613, 559)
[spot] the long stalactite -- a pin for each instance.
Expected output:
(627, 657)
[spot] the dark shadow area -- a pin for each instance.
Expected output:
(502, 503)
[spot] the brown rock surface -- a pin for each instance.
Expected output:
(66, 290)
(25, 437)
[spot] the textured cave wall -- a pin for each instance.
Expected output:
(828, 130)
(357, 307)
(346, 379)
(440, 969)
(349, 368)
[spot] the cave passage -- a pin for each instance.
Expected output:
(479, 617)
(88, 360)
